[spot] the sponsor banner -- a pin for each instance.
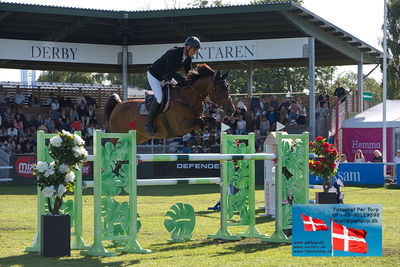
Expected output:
(337, 230)
(357, 173)
(366, 139)
(58, 52)
(22, 172)
(183, 169)
(23, 169)
(29, 50)
(229, 50)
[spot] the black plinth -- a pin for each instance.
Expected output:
(55, 236)
(325, 198)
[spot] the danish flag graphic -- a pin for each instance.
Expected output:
(313, 224)
(348, 239)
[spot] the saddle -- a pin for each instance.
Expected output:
(144, 107)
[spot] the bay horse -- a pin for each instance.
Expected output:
(184, 112)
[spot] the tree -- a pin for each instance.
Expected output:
(135, 79)
(71, 77)
(272, 1)
(206, 3)
(393, 42)
(348, 80)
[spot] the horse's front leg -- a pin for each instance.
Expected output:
(210, 122)
(195, 124)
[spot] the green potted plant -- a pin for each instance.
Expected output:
(324, 165)
(55, 179)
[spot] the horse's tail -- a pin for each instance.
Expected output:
(112, 101)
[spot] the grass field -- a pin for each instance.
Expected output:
(18, 224)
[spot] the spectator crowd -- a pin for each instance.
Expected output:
(18, 129)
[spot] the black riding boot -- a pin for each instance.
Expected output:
(150, 126)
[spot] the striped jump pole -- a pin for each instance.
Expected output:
(204, 157)
(176, 181)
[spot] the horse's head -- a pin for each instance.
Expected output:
(220, 93)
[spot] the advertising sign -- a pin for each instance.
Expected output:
(337, 230)
(23, 165)
(366, 139)
(357, 173)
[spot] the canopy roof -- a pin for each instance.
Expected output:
(244, 22)
(372, 117)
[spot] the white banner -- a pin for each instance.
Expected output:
(26, 50)
(228, 51)
(58, 52)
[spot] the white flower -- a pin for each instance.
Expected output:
(52, 164)
(61, 190)
(63, 168)
(56, 141)
(49, 172)
(84, 152)
(66, 133)
(79, 151)
(78, 140)
(48, 191)
(69, 177)
(42, 166)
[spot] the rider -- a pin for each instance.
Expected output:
(165, 69)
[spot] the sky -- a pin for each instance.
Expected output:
(361, 18)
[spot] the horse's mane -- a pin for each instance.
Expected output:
(201, 71)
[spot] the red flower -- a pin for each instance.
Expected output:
(310, 164)
(326, 145)
(334, 152)
(319, 138)
(322, 159)
(319, 167)
(327, 151)
(310, 144)
(333, 165)
(317, 162)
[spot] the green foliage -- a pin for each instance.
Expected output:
(181, 223)
(57, 177)
(71, 77)
(115, 169)
(135, 79)
(278, 80)
(206, 3)
(274, 1)
(116, 218)
(393, 43)
(238, 177)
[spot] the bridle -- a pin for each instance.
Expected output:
(214, 91)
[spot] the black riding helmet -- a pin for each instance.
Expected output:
(193, 42)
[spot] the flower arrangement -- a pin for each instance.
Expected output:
(56, 178)
(325, 163)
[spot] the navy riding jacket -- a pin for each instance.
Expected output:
(166, 67)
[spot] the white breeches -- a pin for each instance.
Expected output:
(155, 86)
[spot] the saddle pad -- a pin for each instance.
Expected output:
(143, 110)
